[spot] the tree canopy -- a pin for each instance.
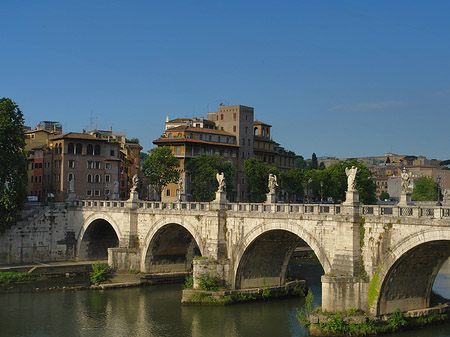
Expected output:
(161, 168)
(203, 170)
(425, 189)
(256, 175)
(13, 163)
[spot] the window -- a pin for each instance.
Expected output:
(97, 193)
(40, 179)
(234, 116)
(31, 180)
(89, 178)
(70, 177)
(210, 137)
(56, 163)
(234, 128)
(168, 193)
(32, 166)
(88, 192)
(218, 139)
(108, 166)
(71, 163)
(246, 129)
(90, 165)
(248, 141)
(107, 178)
(97, 150)
(90, 149)
(78, 148)
(97, 178)
(243, 181)
(178, 149)
(243, 141)
(71, 148)
(98, 165)
(112, 153)
(221, 117)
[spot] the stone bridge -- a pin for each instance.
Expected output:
(376, 258)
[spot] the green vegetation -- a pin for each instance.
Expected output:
(13, 163)
(384, 196)
(374, 288)
(203, 170)
(397, 320)
(188, 282)
(256, 176)
(11, 277)
(307, 309)
(425, 189)
(100, 272)
(161, 168)
(208, 282)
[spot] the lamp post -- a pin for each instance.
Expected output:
(438, 179)
(321, 192)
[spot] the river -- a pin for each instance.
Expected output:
(156, 311)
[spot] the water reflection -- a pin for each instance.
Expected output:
(156, 311)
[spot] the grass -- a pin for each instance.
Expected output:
(11, 277)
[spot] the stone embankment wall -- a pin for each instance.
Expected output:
(43, 234)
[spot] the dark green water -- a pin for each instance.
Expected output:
(156, 311)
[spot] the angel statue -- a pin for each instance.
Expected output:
(351, 178)
(406, 177)
(221, 180)
(272, 183)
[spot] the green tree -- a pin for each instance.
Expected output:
(203, 170)
(257, 174)
(13, 163)
(300, 162)
(314, 164)
(338, 182)
(425, 189)
(161, 168)
(384, 196)
(445, 164)
(292, 183)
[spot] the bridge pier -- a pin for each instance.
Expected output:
(344, 292)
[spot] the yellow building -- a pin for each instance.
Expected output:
(189, 142)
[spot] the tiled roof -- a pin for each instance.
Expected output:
(200, 130)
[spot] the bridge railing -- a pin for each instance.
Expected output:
(406, 211)
(331, 209)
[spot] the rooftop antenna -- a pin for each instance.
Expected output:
(92, 121)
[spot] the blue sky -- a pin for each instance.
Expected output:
(338, 78)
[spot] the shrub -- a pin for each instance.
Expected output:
(397, 320)
(208, 282)
(10, 277)
(304, 313)
(188, 282)
(100, 272)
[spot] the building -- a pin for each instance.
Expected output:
(189, 142)
(92, 162)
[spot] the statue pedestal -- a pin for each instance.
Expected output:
(134, 196)
(183, 198)
(221, 198)
(351, 198)
(271, 198)
(72, 196)
(405, 199)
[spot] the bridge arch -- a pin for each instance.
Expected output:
(170, 245)
(407, 274)
(99, 232)
(282, 238)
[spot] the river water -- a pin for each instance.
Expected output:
(156, 311)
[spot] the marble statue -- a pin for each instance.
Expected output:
(351, 178)
(446, 195)
(272, 183)
(181, 185)
(72, 185)
(406, 177)
(221, 180)
(116, 187)
(135, 183)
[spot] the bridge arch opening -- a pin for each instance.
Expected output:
(98, 237)
(171, 250)
(409, 282)
(274, 257)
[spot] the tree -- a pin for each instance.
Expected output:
(338, 182)
(425, 189)
(300, 162)
(384, 196)
(161, 168)
(292, 183)
(314, 164)
(203, 170)
(257, 174)
(13, 163)
(445, 164)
